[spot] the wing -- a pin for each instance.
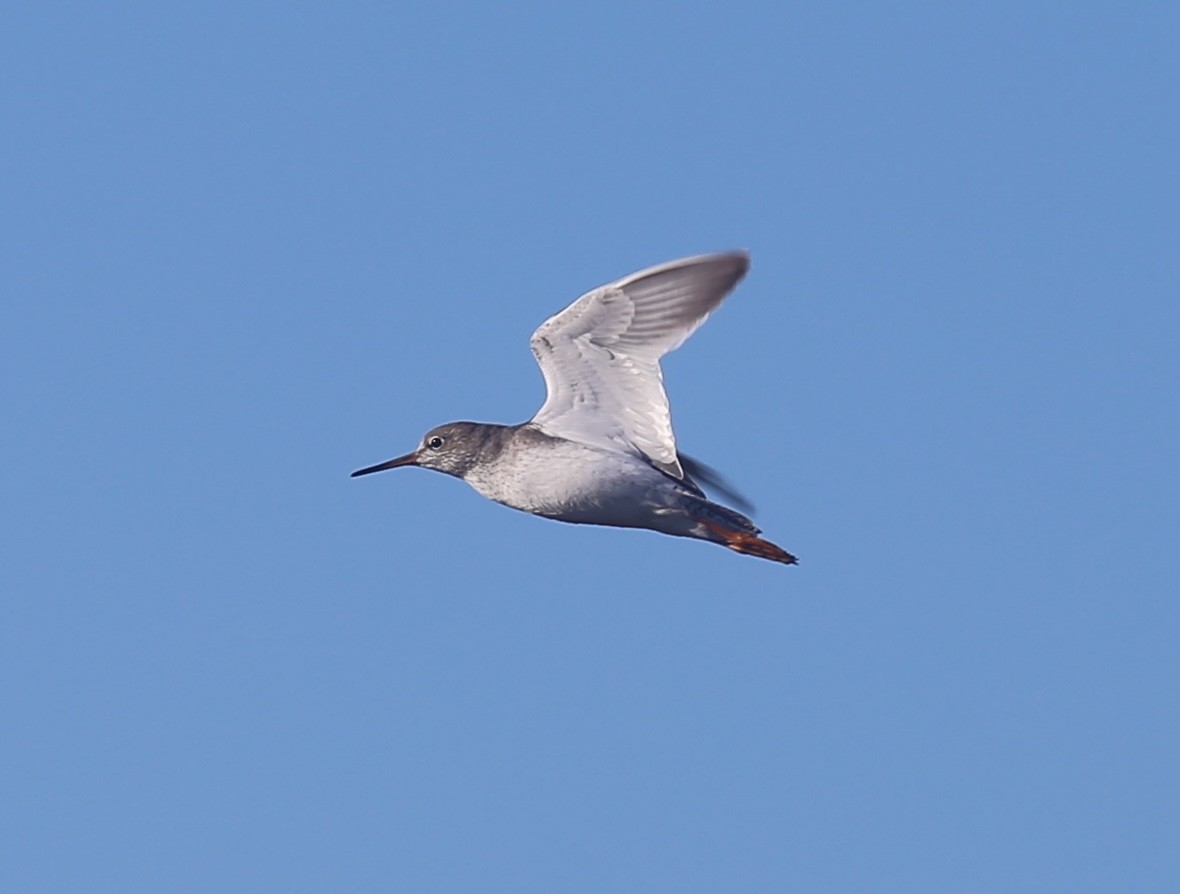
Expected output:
(601, 355)
(711, 479)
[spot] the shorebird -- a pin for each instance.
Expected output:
(601, 450)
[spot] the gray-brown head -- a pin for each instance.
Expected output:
(454, 448)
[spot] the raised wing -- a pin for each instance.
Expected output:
(601, 355)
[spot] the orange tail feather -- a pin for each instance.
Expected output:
(750, 544)
(753, 545)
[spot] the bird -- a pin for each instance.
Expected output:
(601, 449)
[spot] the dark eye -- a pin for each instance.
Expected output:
(435, 443)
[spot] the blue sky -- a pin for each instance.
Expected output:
(248, 248)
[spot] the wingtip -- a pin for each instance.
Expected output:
(740, 258)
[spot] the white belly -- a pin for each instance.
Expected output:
(577, 483)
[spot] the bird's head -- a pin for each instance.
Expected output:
(453, 448)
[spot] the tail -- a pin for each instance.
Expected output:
(753, 545)
(734, 530)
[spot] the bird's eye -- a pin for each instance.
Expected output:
(435, 443)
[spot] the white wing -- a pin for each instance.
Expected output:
(601, 355)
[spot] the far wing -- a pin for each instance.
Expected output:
(601, 355)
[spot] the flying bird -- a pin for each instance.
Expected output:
(601, 451)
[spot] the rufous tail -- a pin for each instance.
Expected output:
(750, 544)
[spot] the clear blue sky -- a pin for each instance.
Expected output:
(248, 248)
